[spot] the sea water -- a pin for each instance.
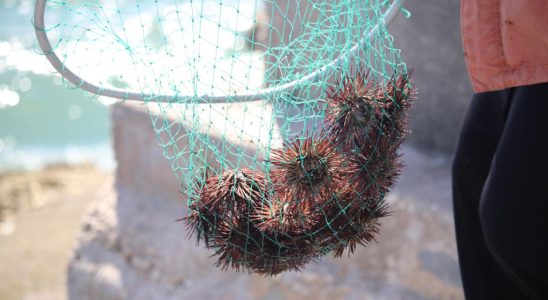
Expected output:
(41, 120)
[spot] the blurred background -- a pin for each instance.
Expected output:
(76, 222)
(55, 151)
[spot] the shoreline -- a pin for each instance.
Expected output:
(40, 217)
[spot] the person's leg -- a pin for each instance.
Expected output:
(514, 206)
(481, 276)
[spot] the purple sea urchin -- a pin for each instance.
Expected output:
(244, 246)
(308, 169)
(225, 199)
(324, 193)
(374, 168)
(352, 109)
(288, 214)
(356, 223)
(307, 174)
(361, 104)
(221, 216)
(368, 122)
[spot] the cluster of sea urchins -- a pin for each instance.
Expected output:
(325, 193)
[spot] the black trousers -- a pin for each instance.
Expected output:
(500, 195)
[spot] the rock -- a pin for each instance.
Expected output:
(7, 225)
(431, 43)
(36, 252)
(131, 247)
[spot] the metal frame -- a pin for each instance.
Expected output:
(45, 45)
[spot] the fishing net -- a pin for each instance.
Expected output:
(281, 119)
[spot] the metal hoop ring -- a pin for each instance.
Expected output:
(45, 46)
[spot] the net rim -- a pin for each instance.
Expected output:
(46, 48)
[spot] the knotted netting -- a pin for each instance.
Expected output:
(281, 119)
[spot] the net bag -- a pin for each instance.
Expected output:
(281, 119)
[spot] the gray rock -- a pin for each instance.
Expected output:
(444, 266)
(130, 246)
(431, 43)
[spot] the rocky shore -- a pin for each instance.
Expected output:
(65, 221)
(40, 217)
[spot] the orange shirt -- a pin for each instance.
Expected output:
(505, 42)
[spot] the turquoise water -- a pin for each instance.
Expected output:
(41, 120)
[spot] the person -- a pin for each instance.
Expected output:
(500, 179)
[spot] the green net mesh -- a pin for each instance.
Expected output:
(272, 181)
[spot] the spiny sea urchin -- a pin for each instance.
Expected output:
(374, 168)
(224, 199)
(244, 246)
(288, 213)
(324, 193)
(221, 215)
(307, 172)
(360, 105)
(355, 222)
(367, 120)
(351, 109)
(309, 168)
(397, 96)
(281, 253)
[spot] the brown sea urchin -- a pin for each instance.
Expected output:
(288, 214)
(306, 174)
(224, 201)
(243, 246)
(354, 220)
(324, 193)
(309, 168)
(360, 105)
(369, 145)
(221, 215)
